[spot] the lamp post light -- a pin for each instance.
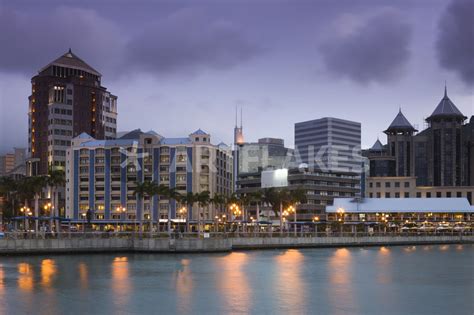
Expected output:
(292, 210)
(121, 211)
(235, 210)
(315, 221)
(340, 213)
(84, 224)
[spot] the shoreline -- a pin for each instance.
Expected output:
(18, 247)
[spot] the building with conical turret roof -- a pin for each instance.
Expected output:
(436, 162)
(67, 99)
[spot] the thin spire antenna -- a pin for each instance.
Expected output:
(445, 89)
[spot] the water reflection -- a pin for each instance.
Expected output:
(290, 281)
(184, 287)
(120, 281)
(83, 275)
(48, 270)
(384, 265)
(25, 277)
(233, 282)
(341, 292)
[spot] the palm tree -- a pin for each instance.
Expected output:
(189, 200)
(245, 200)
(141, 189)
(55, 180)
(37, 184)
(150, 190)
(295, 197)
(172, 194)
(202, 199)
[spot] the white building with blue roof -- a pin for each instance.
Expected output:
(101, 175)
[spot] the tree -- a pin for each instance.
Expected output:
(141, 189)
(172, 194)
(37, 184)
(202, 199)
(56, 179)
(189, 200)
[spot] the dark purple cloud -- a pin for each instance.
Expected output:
(373, 50)
(29, 41)
(188, 40)
(455, 43)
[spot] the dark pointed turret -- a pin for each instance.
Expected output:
(377, 147)
(446, 109)
(400, 124)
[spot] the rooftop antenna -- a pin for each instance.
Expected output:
(445, 89)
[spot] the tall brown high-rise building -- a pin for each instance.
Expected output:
(67, 98)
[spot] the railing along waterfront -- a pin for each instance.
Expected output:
(222, 235)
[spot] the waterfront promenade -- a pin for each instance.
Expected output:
(213, 242)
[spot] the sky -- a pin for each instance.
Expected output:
(177, 66)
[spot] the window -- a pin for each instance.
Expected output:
(459, 194)
(428, 195)
(371, 195)
(407, 195)
(397, 184)
(397, 195)
(377, 184)
(438, 194)
(378, 195)
(418, 195)
(387, 184)
(387, 195)
(448, 194)
(407, 184)
(371, 185)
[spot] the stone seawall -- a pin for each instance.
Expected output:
(164, 245)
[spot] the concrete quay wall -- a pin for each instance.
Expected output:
(164, 245)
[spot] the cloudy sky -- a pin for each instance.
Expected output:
(181, 65)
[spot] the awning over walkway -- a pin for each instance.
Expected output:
(400, 205)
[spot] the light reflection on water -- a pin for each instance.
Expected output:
(405, 280)
(290, 286)
(233, 283)
(184, 287)
(120, 282)
(341, 292)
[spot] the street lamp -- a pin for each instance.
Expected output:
(292, 210)
(121, 210)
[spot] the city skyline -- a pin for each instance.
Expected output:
(280, 71)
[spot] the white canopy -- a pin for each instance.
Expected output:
(372, 205)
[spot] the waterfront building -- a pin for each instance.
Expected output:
(321, 188)
(442, 155)
(400, 210)
(101, 175)
(329, 143)
(406, 187)
(67, 99)
(256, 157)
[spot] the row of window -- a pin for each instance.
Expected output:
(418, 195)
(61, 111)
(389, 184)
(61, 132)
